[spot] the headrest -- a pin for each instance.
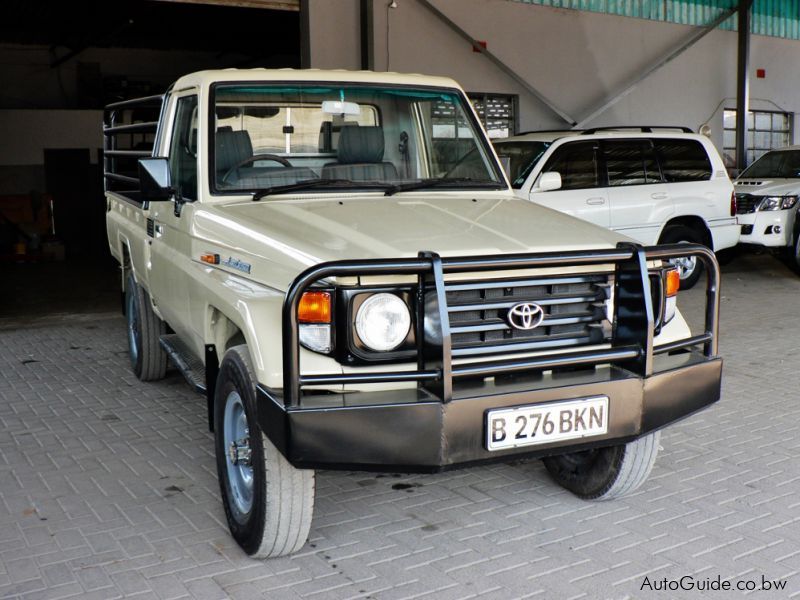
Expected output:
(360, 145)
(232, 147)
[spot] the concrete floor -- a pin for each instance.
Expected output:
(108, 487)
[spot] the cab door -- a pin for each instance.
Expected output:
(171, 242)
(640, 200)
(580, 194)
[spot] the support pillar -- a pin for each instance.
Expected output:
(367, 35)
(743, 83)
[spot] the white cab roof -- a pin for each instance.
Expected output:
(205, 78)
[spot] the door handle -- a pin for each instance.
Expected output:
(158, 229)
(596, 201)
(659, 195)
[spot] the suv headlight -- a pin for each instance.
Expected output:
(777, 202)
(382, 322)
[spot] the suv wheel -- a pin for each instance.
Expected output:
(794, 253)
(148, 359)
(605, 473)
(689, 268)
(268, 502)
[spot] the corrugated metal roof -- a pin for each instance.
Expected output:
(777, 18)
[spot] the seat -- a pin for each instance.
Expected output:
(232, 147)
(360, 156)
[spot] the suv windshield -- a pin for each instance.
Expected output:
(778, 163)
(522, 156)
(267, 137)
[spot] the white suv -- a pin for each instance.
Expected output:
(766, 194)
(656, 187)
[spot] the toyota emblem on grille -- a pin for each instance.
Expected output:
(525, 315)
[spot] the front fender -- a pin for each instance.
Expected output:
(238, 305)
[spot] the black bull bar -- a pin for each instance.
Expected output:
(432, 428)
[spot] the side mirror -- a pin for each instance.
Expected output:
(549, 181)
(155, 181)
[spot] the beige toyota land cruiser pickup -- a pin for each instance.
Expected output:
(337, 261)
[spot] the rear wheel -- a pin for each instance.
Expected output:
(148, 359)
(689, 268)
(605, 473)
(268, 502)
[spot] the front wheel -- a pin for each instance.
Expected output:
(605, 473)
(794, 253)
(268, 502)
(689, 268)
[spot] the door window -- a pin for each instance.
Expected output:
(183, 149)
(682, 160)
(577, 164)
(631, 162)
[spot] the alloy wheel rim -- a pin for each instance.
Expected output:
(685, 264)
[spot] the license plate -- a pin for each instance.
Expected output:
(545, 423)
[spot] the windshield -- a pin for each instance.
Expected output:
(522, 156)
(778, 163)
(270, 136)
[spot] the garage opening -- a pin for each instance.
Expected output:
(60, 63)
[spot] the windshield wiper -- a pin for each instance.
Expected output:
(429, 183)
(313, 183)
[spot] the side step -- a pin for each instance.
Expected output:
(192, 368)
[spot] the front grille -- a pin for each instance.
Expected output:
(747, 203)
(576, 310)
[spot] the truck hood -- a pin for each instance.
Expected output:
(281, 238)
(767, 187)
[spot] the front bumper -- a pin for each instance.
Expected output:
(412, 431)
(725, 236)
(769, 228)
(441, 423)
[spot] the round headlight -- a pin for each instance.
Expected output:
(382, 322)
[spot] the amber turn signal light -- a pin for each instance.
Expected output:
(672, 282)
(211, 259)
(315, 307)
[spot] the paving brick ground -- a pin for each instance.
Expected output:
(108, 488)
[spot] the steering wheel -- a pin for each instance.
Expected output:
(252, 159)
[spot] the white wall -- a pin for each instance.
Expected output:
(335, 34)
(575, 59)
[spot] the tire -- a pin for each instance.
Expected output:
(690, 269)
(728, 255)
(605, 473)
(794, 254)
(148, 359)
(268, 502)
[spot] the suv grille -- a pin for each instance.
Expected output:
(576, 310)
(747, 203)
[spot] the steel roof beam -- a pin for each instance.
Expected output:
(498, 62)
(661, 62)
